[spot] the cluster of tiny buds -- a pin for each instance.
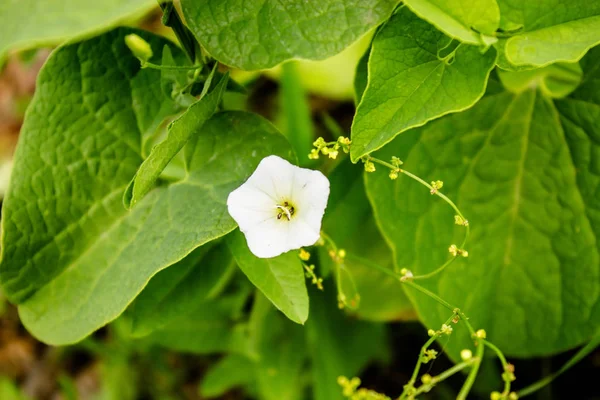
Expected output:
(428, 355)
(509, 373)
(444, 330)
(455, 251)
(337, 256)
(343, 301)
(351, 391)
(310, 269)
(501, 396)
(407, 275)
(458, 220)
(330, 149)
(396, 162)
(435, 186)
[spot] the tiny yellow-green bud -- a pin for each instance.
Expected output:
(341, 253)
(344, 141)
(342, 380)
(453, 250)
(464, 253)
(495, 396)
(304, 255)
(481, 334)
(314, 154)
(458, 220)
(513, 396)
(393, 174)
(396, 162)
(466, 354)
(369, 166)
(430, 332)
(426, 379)
(139, 47)
(333, 154)
(446, 329)
(320, 142)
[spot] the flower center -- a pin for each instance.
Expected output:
(286, 210)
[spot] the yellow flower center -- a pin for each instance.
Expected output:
(286, 210)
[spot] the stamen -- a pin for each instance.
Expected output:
(285, 209)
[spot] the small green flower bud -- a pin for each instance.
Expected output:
(426, 379)
(481, 334)
(431, 332)
(139, 47)
(466, 354)
(446, 329)
(369, 166)
(495, 396)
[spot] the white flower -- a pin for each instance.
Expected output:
(280, 207)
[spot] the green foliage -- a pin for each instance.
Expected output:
(199, 277)
(117, 204)
(261, 34)
(550, 30)
(31, 23)
(94, 246)
(464, 20)
(280, 279)
(411, 83)
(350, 221)
(512, 169)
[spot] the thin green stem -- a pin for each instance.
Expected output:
(502, 361)
(424, 348)
(464, 391)
(436, 271)
(584, 351)
(432, 295)
(440, 195)
(150, 65)
(444, 375)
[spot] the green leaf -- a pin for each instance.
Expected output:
(179, 134)
(280, 279)
(73, 258)
(263, 33)
(361, 77)
(410, 85)
(175, 291)
(339, 345)
(210, 327)
(556, 80)
(31, 23)
(351, 224)
(552, 30)
(460, 19)
(533, 256)
(231, 371)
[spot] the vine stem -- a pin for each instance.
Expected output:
(464, 391)
(150, 65)
(445, 375)
(440, 195)
(424, 348)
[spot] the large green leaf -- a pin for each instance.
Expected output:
(73, 257)
(532, 279)
(260, 34)
(464, 20)
(32, 23)
(552, 30)
(350, 223)
(208, 327)
(409, 84)
(280, 279)
(175, 291)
